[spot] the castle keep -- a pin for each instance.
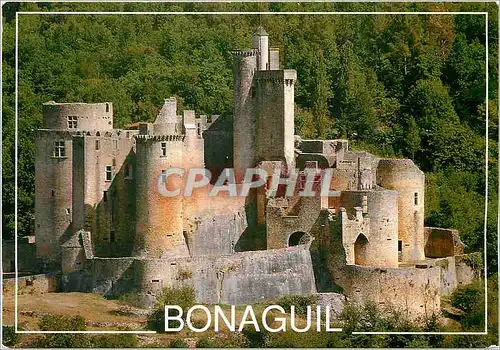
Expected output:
(101, 221)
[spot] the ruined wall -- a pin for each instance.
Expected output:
(244, 124)
(405, 177)
(440, 242)
(287, 216)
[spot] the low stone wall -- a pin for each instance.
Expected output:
(410, 290)
(33, 284)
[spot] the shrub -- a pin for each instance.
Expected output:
(130, 299)
(177, 343)
(115, 341)
(299, 301)
(183, 297)
(61, 340)
(10, 337)
(206, 343)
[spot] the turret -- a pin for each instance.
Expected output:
(261, 43)
(405, 177)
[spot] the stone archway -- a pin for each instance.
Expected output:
(360, 250)
(297, 238)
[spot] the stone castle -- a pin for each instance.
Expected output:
(100, 220)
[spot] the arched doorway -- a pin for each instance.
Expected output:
(297, 238)
(360, 250)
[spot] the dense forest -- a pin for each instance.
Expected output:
(396, 85)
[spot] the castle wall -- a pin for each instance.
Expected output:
(216, 235)
(53, 188)
(241, 278)
(448, 273)
(404, 176)
(105, 207)
(244, 66)
(409, 290)
(284, 217)
(89, 116)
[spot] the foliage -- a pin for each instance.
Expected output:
(177, 343)
(471, 300)
(117, 341)
(63, 340)
(9, 336)
(183, 297)
(299, 301)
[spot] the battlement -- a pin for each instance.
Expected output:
(284, 76)
(78, 116)
(145, 138)
(245, 53)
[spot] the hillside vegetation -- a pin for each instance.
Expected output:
(396, 85)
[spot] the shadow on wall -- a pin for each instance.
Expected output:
(112, 221)
(255, 236)
(218, 145)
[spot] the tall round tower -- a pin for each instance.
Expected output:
(244, 66)
(159, 218)
(405, 177)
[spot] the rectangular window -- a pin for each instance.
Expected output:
(97, 145)
(72, 122)
(400, 246)
(128, 171)
(114, 162)
(416, 198)
(59, 149)
(105, 196)
(109, 173)
(163, 149)
(112, 236)
(163, 176)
